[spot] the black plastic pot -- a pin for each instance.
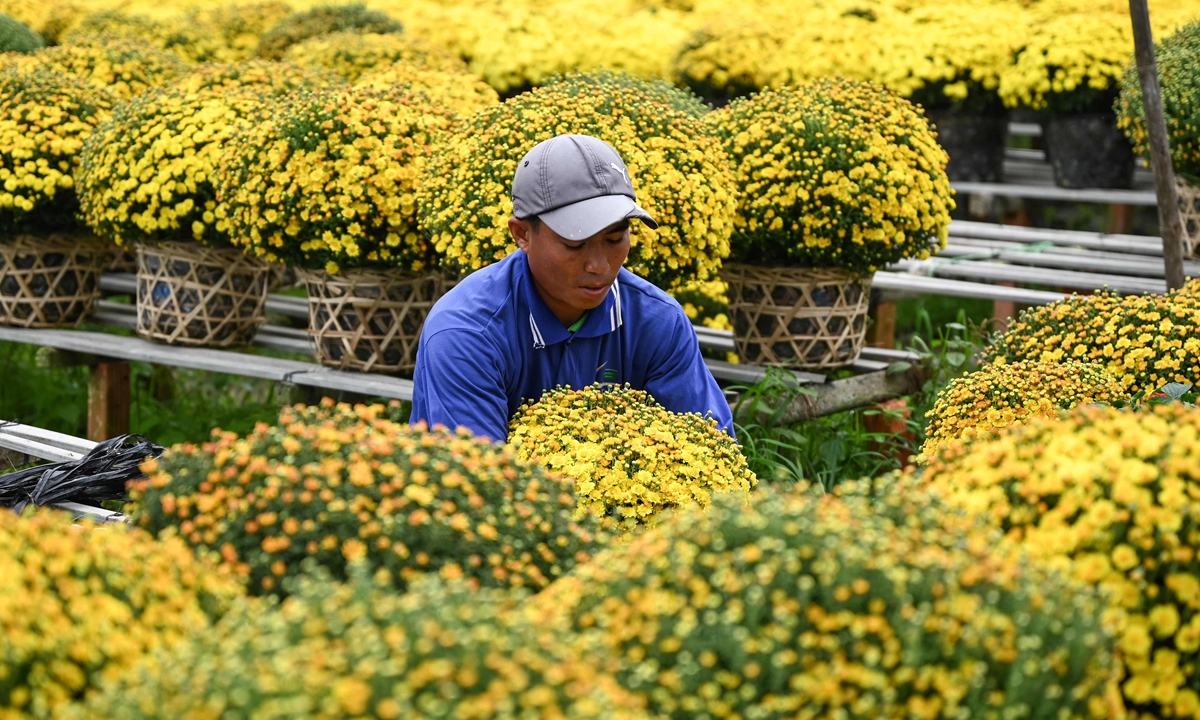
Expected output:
(1088, 151)
(975, 143)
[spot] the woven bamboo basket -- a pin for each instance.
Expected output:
(120, 260)
(801, 318)
(369, 320)
(49, 281)
(1189, 215)
(189, 294)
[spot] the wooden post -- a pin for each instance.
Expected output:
(108, 400)
(1160, 149)
(1120, 218)
(882, 333)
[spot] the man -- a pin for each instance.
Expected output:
(560, 310)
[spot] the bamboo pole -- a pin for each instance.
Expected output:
(1160, 150)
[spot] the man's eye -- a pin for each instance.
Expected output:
(571, 247)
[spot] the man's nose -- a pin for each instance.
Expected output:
(596, 262)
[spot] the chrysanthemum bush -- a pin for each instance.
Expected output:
(323, 20)
(948, 55)
(860, 607)
(329, 180)
(339, 483)
(996, 396)
(1070, 63)
(675, 161)
(630, 458)
(1146, 341)
(149, 172)
(836, 173)
(45, 119)
(352, 54)
(81, 603)
(17, 37)
(735, 50)
(360, 649)
(454, 90)
(46, 19)
(1113, 496)
(274, 79)
(179, 33)
(240, 27)
(660, 90)
(1178, 58)
(528, 43)
(122, 67)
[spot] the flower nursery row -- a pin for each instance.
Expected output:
(378, 167)
(966, 62)
(370, 160)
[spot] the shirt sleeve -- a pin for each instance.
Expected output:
(459, 381)
(682, 382)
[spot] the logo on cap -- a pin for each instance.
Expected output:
(622, 171)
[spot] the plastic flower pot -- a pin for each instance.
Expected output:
(975, 143)
(1088, 151)
(48, 281)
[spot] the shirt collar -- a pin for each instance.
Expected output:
(547, 329)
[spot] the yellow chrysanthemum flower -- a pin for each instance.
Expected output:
(996, 396)
(630, 457)
(1113, 496)
(338, 483)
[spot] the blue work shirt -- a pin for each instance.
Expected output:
(491, 343)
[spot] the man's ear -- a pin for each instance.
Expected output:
(522, 232)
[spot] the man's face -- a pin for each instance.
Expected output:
(572, 277)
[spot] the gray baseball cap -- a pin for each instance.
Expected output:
(576, 184)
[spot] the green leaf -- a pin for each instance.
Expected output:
(1175, 391)
(898, 367)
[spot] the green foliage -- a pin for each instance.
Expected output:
(168, 405)
(1178, 58)
(823, 450)
(826, 450)
(16, 36)
(323, 20)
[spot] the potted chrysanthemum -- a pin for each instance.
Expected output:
(351, 54)
(147, 179)
(682, 172)
(49, 262)
(948, 59)
(121, 66)
(327, 184)
(1179, 77)
(1068, 72)
(835, 179)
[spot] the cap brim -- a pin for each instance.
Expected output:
(582, 220)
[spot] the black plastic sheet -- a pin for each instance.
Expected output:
(100, 475)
